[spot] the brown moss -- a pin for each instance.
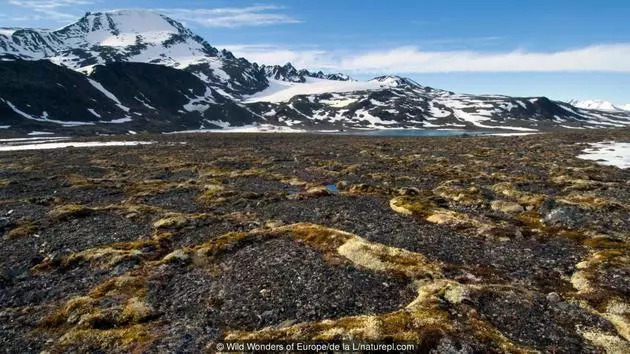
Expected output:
(312, 192)
(323, 239)
(459, 192)
(509, 190)
(68, 211)
(364, 188)
(221, 244)
(78, 181)
(22, 230)
(422, 205)
(605, 242)
(130, 339)
(122, 285)
(210, 193)
(589, 201)
(575, 183)
(104, 258)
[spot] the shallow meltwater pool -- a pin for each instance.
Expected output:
(332, 188)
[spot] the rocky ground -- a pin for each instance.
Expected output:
(471, 244)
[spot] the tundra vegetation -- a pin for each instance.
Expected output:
(484, 244)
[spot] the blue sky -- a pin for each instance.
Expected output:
(561, 49)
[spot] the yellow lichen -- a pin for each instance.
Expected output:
(171, 221)
(611, 343)
(381, 258)
(136, 310)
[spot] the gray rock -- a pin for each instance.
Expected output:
(563, 215)
(553, 297)
(4, 223)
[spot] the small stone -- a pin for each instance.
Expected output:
(553, 297)
(4, 223)
(408, 191)
(564, 215)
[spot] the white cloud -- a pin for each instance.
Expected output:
(48, 9)
(270, 54)
(604, 58)
(230, 17)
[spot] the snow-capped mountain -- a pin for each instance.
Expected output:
(396, 102)
(599, 105)
(133, 36)
(138, 70)
(98, 38)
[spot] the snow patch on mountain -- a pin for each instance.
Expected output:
(599, 105)
(283, 91)
(108, 94)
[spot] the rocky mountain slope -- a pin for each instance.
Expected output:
(141, 71)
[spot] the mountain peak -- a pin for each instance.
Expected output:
(395, 81)
(120, 28)
(118, 35)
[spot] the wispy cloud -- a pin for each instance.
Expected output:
(272, 54)
(49, 9)
(602, 58)
(230, 17)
